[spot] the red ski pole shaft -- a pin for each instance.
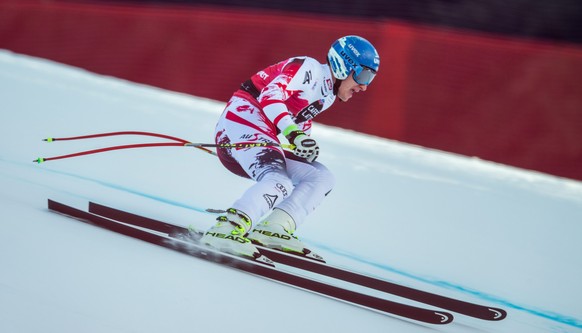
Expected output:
(99, 135)
(101, 150)
(178, 143)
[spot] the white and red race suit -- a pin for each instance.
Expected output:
(293, 91)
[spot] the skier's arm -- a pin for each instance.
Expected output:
(277, 113)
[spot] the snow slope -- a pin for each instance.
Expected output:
(449, 224)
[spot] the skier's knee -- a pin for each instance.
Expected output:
(328, 180)
(323, 178)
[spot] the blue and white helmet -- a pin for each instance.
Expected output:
(353, 53)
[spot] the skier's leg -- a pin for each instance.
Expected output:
(265, 165)
(313, 182)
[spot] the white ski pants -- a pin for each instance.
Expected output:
(281, 180)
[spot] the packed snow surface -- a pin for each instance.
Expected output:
(448, 224)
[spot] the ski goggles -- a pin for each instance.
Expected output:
(364, 75)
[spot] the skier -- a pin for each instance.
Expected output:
(283, 99)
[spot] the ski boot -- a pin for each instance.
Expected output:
(228, 235)
(276, 232)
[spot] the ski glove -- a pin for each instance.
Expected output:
(305, 147)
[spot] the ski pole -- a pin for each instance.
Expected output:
(240, 145)
(95, 151)
(178, 143)
(99, 135)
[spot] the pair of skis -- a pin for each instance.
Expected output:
(175, 237)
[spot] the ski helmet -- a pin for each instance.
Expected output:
(353, 53)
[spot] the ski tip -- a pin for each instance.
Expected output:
(444, 317)
(498, 314)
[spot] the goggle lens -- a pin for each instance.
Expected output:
(364, 75)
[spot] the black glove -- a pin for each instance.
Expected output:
(305, 146)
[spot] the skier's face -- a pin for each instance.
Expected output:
(349, 87)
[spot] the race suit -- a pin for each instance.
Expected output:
(293, 91)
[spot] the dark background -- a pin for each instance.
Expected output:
(559, 20)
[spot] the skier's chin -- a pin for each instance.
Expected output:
(345, 98)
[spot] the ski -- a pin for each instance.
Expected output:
(451, 304)
(153, 236)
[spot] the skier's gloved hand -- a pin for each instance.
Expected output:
(305, 146)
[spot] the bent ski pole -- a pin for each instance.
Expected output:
(177, 143)
(100, 135)
(101, 150)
